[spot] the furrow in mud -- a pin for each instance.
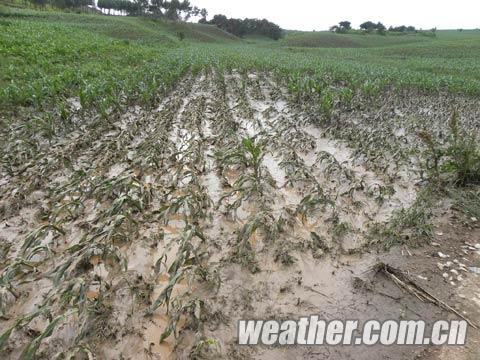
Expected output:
(228, 201)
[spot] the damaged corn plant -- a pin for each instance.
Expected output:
(154, 193)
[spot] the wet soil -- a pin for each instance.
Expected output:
(285, 234)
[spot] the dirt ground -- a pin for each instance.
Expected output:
(229, 201)
(332, 290)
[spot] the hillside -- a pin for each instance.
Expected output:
(144, 30)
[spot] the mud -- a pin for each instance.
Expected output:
(228, 201)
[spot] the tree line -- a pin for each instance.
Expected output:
(173, 10)
(244, 27)
(370, 26)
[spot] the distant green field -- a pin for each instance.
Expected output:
(49, 56)
(325, 39)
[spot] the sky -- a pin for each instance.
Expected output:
(320, 15)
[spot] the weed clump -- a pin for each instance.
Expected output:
(458, 161)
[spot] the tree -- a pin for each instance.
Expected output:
(346, 25)
(381, 28)
(244, 27)
(156, 7)
(342, 27)
(334, 28)
(220, 21)
(203, 14)
(174, 9)
(402, 28)
(368, 26)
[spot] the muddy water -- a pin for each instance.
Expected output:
(172, 155)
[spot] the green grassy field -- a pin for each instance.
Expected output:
(324, 39)
(50, 56)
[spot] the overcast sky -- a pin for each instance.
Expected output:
(320, 15)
